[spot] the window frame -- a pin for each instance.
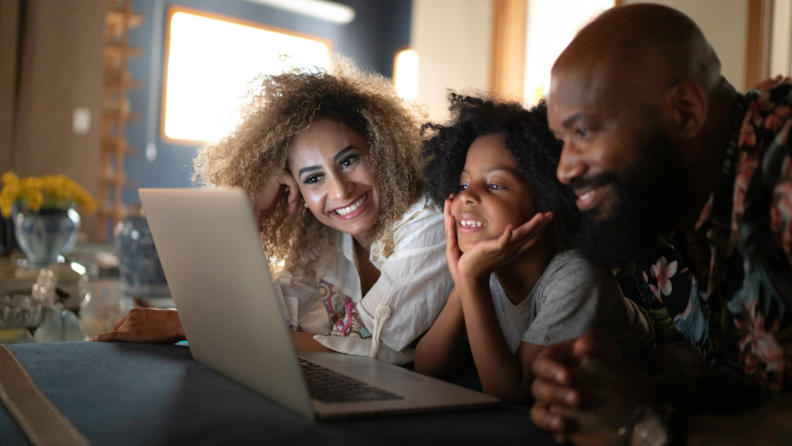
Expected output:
(174, 9)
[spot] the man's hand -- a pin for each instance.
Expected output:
(610, 391)
(552, 386)
(146, 325)
(570, 388)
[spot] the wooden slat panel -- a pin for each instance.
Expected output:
(757, 52)
(9, 53)
(507, 73)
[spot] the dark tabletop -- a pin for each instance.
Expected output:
(144, 394)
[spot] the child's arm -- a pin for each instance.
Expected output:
(441, 348)
(502, 374)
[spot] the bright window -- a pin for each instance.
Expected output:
(552, 24)
(212, 62)
(405, 74)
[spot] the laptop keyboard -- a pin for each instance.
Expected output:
(328, 386)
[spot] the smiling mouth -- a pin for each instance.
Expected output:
(472, 224)
(591, 198)
(353, 207)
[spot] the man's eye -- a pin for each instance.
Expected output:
(463, 186)
(582, 131)
(495, 186)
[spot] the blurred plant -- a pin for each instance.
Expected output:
(48, 191)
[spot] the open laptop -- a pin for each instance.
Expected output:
(217, 272)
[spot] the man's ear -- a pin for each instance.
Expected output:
(685, 109)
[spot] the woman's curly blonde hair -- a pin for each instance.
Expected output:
(285, 105)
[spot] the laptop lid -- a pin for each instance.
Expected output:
(207, 240)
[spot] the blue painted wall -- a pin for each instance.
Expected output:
(380, 28)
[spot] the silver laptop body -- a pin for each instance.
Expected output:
(218, 275)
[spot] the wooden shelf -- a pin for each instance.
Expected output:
(115, 79)
(116, 212)
(114, 52)
(113, 146)
(116, 114)
(117, 16)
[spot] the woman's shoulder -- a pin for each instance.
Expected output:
(421, 213)
(419, 228)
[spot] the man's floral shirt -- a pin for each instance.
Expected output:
(727, 285)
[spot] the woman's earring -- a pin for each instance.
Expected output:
(305, 205)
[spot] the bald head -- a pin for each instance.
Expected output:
(643, 44)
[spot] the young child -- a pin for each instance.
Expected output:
(509, 227)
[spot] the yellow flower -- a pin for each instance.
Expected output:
(10, 177)
(54, 190)
(35, 199)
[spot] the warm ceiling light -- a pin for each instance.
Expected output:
(320, 9)
(405, 74)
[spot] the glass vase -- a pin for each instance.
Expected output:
(138, 261)
(46, 234)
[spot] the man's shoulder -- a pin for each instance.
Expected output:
(779, 95)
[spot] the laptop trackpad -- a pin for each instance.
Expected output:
(382, 374)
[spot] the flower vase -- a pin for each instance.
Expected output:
(46, 234)
(138, 262)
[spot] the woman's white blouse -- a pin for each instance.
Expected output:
(411, 291)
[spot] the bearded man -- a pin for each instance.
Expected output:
(686, 185)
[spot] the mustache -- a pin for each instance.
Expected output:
(593, 181)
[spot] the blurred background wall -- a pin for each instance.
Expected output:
(51, 55)
(453, 39)
(725, 24)
(52, 76)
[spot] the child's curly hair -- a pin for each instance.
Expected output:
(286, 105)
(527, 138)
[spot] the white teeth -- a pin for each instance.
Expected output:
(353, 207)
(471, 224)
(585, 196)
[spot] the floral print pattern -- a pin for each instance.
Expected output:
(335, 302)
(727, 285)
(662, 271)
(759, 347)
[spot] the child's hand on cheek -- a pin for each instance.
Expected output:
(452, 247)
(484, 257)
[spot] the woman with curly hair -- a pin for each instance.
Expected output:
(331, 162)
(510, 225)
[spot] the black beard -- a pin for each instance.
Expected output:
(652, 196)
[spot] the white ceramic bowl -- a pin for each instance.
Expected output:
(22, 311)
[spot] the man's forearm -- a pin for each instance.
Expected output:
(693, 396)
(769, 425)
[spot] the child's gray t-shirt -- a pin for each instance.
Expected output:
(572, 296)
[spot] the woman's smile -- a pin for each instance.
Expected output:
(351, 211)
